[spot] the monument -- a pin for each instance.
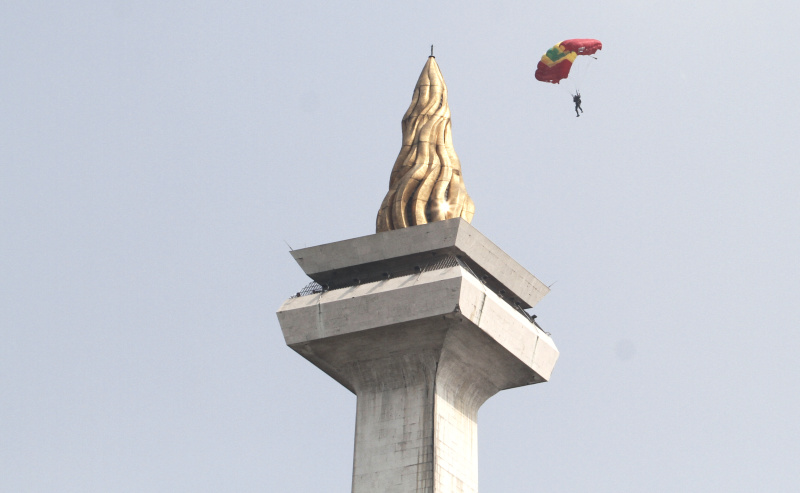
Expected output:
(423, 321)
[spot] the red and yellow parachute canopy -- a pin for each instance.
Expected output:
(555, 64)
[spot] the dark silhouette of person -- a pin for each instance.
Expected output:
(577, 100)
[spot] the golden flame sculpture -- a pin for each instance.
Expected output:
(426, 183)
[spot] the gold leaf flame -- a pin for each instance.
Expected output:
(426, 183)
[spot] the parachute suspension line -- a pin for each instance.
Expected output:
(588, 66)
(581, 70)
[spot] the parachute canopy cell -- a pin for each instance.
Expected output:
(556, 63)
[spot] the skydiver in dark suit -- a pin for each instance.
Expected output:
(577, 100)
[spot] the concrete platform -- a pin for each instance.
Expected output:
(421, 350)
(369, 257)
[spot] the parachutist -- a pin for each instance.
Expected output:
(577, 100)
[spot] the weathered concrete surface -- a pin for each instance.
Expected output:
(422, 352)
(372, 255)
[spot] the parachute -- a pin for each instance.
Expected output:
(557, 62)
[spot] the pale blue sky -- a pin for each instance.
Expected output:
(155, 156)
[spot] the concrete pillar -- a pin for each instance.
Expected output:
(423, 324)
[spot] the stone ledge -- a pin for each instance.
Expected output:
(373, 255)
(340, 331)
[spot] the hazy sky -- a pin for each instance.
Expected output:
(157, 157)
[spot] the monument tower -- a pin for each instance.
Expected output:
(423, 320)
